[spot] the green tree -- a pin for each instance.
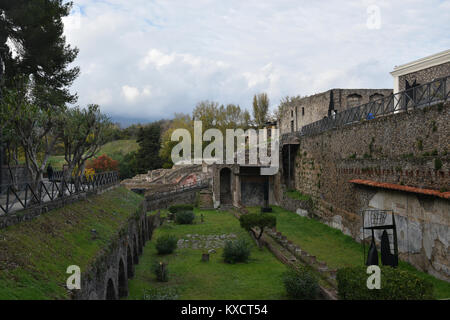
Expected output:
(83, 132)
(149, 139)
(260, 109)
(35, 28)
(33, 127)
(261, 221)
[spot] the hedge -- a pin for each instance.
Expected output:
(181, 207)
(395, 285)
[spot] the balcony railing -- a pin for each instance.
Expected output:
(430, 93)
(22, 196)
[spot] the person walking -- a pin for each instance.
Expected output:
(50, 172)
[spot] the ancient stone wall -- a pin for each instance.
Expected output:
(409, 148)
(107, 279)
(425, 75)
(309, 109)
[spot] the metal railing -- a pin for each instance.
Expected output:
(20, 196)
(190, 186)
(421, 96)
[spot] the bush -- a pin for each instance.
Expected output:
(184, 217)
(236, 251)
(181, 207)
(161, 271)
(166, 244)
(395, 285)
(160, 294)
(301, 284)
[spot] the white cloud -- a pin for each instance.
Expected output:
(147, 60)
(130, 93)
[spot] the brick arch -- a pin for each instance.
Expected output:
(122, 280)
(375, 96)
(110, 291)
(130, 265)
(135, 250)
(225, 176)
(354, 100)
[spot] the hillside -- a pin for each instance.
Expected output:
(34, 255)
(115, 149)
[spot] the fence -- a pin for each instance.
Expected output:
(421, 96)
(24, 195)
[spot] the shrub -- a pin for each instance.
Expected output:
(161, 271)
(181, 207)
(166, 244)
(301, 284)
(395, 285)
(161, 294)
(184, 217)
(236, 251)
(260, 220)
(102, 164)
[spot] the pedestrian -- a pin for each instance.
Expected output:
(50, 172)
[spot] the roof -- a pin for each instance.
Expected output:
(423, 63)
(392, 186)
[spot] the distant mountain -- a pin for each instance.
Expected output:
(126, 122)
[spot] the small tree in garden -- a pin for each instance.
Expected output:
(260, 220)
(103, 164)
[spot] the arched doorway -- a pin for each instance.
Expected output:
(135, 252)
(225, 186)
(110, 291)
(130, 271)
(123, 285)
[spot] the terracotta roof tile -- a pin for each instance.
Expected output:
(392, 186)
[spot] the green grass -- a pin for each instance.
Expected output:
(34, 255)
(115, 149)
(294, 194)
(57, 162)
(335, 248)
(118, 147)
(260, 278)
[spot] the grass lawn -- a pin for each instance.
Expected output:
(118, 147)
(335, 248)
(34, 255)
(115, 149)
(260, 278)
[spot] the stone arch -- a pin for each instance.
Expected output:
(353, 100)
(130, 266)
(135, 251)
(139, 240)
(123, 284)
(375, 96)
(225, 186)
(110, 290)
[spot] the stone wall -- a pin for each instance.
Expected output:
(303, 111)
(425, 75)
(107, 279)
(409, 148)
(155, 202)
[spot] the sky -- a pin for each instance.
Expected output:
(145, 60)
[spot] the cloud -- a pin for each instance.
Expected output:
(149, 59)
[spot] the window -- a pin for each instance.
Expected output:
(292, 126)
(353, 100)
(292, 113)
(303, 111)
